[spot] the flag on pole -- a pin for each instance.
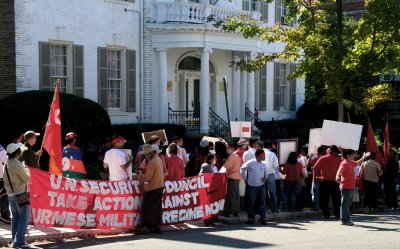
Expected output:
(386, 142)
(52, 135)
(371, 145)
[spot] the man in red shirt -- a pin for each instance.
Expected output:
(326, 168)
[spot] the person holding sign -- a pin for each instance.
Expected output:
(152, 178)
(232, 171)
(255, 174)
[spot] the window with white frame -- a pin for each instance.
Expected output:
(117, 79)
(61, 62)
(256, 5)
(261, 89)
(281, 11)
(114, 79)
(284, 88)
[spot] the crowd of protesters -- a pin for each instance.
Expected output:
(331, 177)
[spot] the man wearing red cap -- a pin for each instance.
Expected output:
(72, 158)
(242, 146)
(117, 161)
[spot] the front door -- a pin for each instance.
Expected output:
(192, 96)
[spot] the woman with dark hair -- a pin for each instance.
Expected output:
(220, 154)
(292, 169)
(174, 163)
(209, 165)
(371, 171)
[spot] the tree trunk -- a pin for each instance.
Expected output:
(340, 109)
(339, 58)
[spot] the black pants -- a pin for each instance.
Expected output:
(390, 194)
(371, 194)
(5, 210)
(329, 189)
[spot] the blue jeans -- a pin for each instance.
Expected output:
(271, 188)
(19, 221)
(346, 200)
(314, 195)
(256, 194)
(289, 197)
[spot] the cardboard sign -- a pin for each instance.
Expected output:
(285, 146)
(314, 140)
(240, 129)
(211, 139)
(341, 134)
(161, 133)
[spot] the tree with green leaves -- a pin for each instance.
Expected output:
(340, 57)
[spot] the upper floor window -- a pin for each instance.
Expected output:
(256, 5)
(63, 62)
(281, 12)
(284, 88)
(261, 89)
(117, 79)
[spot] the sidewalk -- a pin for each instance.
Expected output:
(58, 234)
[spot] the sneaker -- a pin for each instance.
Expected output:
(249, 221)
(349, 223)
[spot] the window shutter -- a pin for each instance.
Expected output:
(276, 86)
(278, 11)
(264, 11)
(131, 80)
(102, 71)
(293, 88)
(246, 5)
(78, 70)
(263, 89)
(44, 66)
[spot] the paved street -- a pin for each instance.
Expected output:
(372, 231)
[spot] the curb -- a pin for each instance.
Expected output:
(86, 233)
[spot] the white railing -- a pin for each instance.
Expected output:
(193, 13)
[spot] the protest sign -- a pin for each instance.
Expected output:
(88, 204)
(314, 140)
(285, 146)
(160, 133)
(341, 134)
(211, 139)
(240, 129)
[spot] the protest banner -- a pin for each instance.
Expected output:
(341, 134)
(285, 146)
(160, 133)
(240, 129)
(314, 140)
(88, 204)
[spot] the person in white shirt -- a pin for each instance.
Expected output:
(271, 160)
(181, 151)
(251, 152)
(255, 173)
(117, 161)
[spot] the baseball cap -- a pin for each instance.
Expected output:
(30, 134)
(118, 139)
(11, 148)
(70, 135)
(156, 148)
(242, 142)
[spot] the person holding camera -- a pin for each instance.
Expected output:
(16, 178)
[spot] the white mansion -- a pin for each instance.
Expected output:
(153, 60)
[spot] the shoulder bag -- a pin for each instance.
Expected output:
(22, 198)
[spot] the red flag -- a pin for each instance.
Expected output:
(52, 135)
(371, 144)
(386, 142)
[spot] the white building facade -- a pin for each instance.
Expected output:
(147, 61)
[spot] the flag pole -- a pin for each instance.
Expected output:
(48, 118)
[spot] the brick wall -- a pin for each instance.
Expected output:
(7, 49)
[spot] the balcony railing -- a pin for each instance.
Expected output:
(218, 126)
(194, 13)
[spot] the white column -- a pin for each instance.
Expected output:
(236, 93)
(204, 90)
(163, 101)
(243, 93)
(251, 88)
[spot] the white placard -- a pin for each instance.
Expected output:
(314, 140)
(341, 134)
(240, 129)
(285, 146)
